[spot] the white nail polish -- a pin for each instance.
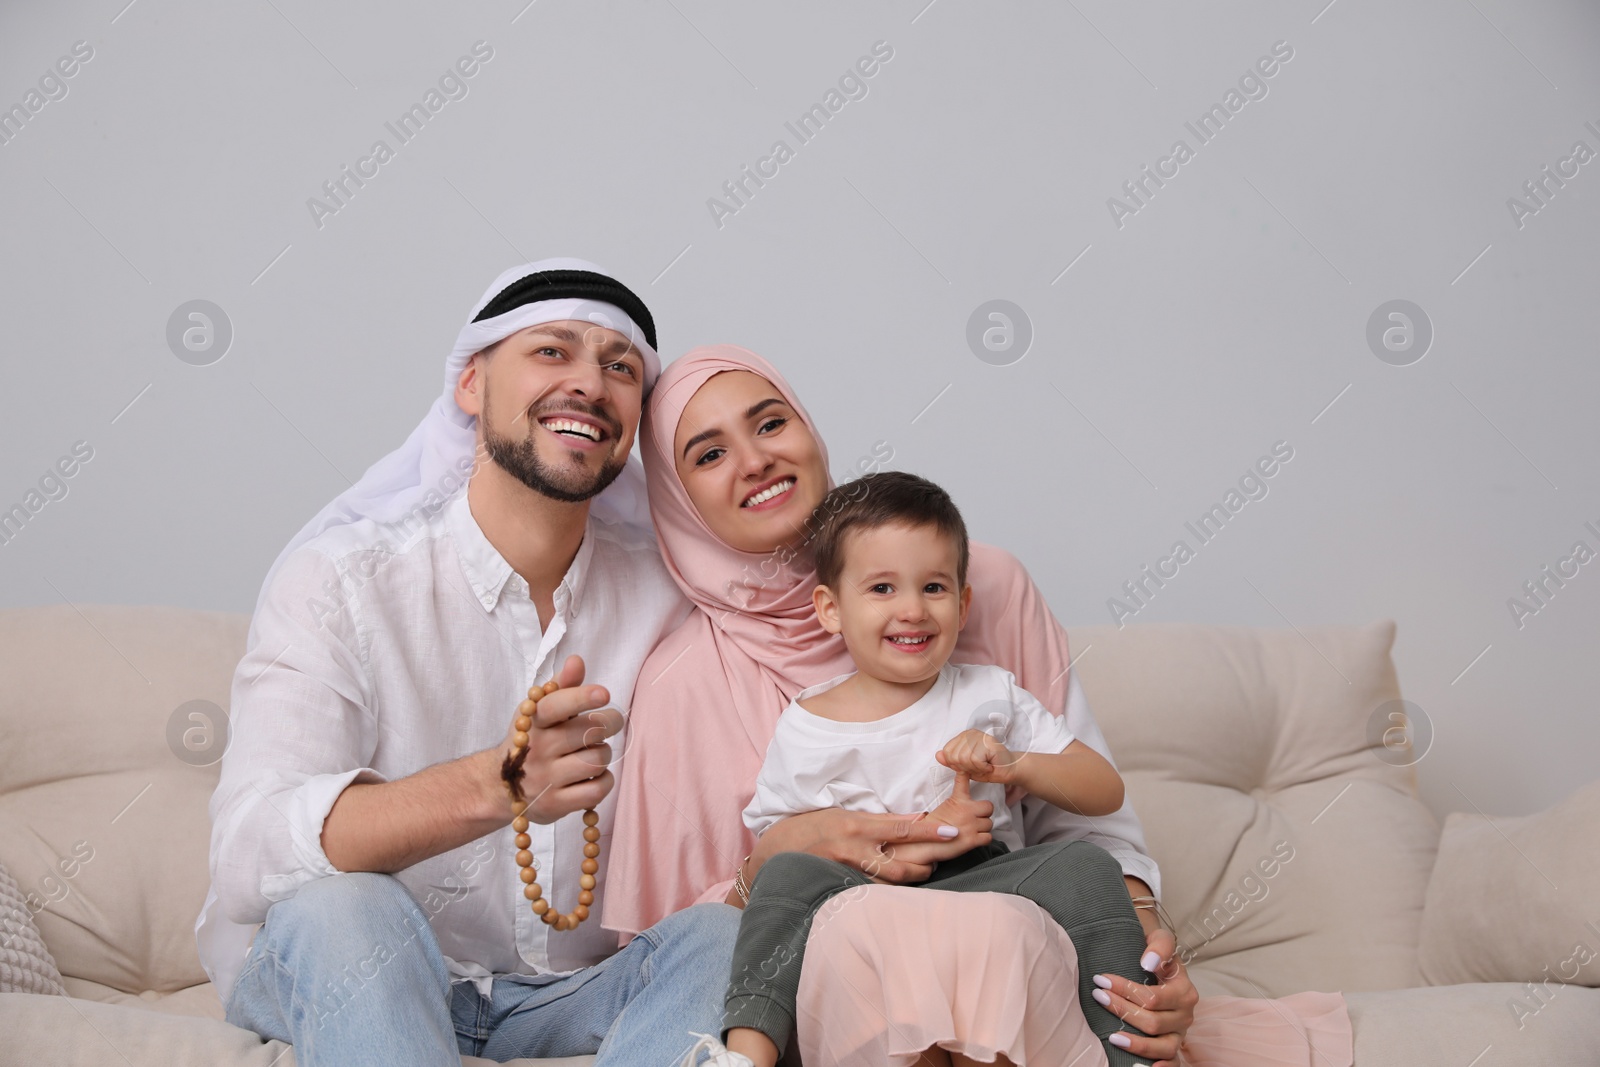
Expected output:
(1102, 981)
(948, 832)
(1120, 1040)
(1102, 998)
(1150, 961)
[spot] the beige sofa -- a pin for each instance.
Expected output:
(1295, 850)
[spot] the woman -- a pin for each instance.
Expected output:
(734, 473)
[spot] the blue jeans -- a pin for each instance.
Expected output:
(348, 972)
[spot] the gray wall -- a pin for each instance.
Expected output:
(1227, 313)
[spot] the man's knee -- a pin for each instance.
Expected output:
(705, 928)
(341, 905)
(341, 934)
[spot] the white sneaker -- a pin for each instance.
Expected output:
(717, 1054)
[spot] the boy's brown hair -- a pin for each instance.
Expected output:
(883, 499)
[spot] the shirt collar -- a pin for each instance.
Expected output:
(489, 574)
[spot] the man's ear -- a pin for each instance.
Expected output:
(469, 386)
(827, 609)
(966, 602)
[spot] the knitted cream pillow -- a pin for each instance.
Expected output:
(25, 964)
(1517, 899)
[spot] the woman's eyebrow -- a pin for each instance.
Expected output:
(755, 409)
(697, 438)
(750, 412)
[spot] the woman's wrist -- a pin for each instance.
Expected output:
(768, 844)
(1143, 903)
(741, 885)
(797, 833)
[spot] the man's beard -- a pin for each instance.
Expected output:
(520, 459)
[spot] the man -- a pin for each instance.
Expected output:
(361, 813)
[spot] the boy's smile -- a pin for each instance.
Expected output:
(898, 604)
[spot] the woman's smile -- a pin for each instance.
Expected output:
(749, 462)
(770, 496)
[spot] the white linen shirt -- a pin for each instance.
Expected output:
(887, 765)
(374, 659)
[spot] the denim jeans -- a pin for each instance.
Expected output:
(348, 972)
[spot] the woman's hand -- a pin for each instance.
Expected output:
(1164, 1012)
(971, 818)
(885, 847)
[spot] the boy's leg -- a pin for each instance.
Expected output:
(1080, 884)
(348, 972)
(638, 1008)
(969, 859)
(788, 891)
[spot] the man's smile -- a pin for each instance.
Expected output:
(576, 429)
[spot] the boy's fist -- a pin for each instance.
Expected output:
(979, 755)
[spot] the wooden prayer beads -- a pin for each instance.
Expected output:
(511, 771)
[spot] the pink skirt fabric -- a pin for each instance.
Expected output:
(877, 989)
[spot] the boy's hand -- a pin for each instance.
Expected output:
(979, 755)
(970, 817)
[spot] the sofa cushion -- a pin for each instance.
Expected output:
(1294, 857)
(66, 1032)
(26, 966)
(1517, 899)
(1293, 847)
(1457, 1026)
(92, 794)
(198, 1000)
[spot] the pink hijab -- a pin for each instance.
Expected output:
(709, 696)
(760, 609)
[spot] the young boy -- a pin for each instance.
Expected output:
(910, 731)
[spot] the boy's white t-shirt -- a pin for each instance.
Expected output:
(888, 766)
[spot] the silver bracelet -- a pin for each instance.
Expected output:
(1152, 904)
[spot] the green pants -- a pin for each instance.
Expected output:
(1077, 882)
